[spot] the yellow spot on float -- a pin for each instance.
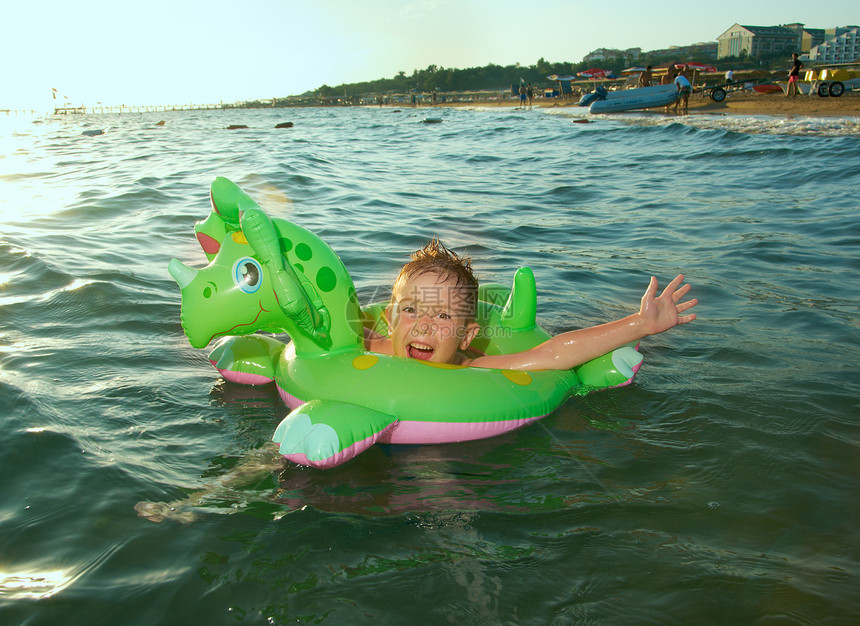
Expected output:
(239, 237)
(518, 377)
(365, 361)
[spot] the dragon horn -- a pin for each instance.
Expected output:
(181, 273)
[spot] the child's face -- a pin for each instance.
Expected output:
(428, 319)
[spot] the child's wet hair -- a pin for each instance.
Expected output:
(435, 257)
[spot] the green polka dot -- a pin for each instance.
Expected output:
(304, 252)
(286, 244)
(326, 280)
(300, 267)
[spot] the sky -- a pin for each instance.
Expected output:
(165, 52)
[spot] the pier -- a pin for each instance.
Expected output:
(144, 109)
(18, 112)
(84, 110)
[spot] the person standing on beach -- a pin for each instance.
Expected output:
(669, 76)
(793, 76)
(667, 79)
(530, 93)
(645, 77)
(730, 77)
(684, 89)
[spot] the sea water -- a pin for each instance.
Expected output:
(721, 487)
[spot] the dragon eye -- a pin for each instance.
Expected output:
(247, 274)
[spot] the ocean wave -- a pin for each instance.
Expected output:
(107, 404)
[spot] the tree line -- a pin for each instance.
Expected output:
(492, 76)
(436, 78)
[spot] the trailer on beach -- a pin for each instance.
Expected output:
(718, 93)
(829, 81)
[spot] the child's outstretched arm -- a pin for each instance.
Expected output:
(567, 350)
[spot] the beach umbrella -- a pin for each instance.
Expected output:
(557, 77)
(695, 65)
(595, 73)
(633, 70)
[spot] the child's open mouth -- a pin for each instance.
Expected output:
(419, 351)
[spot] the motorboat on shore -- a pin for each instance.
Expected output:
(631, 99)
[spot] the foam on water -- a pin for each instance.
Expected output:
(799, 125)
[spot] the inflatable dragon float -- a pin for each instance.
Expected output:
(267, 276)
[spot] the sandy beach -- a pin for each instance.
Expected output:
(738, 103)
(751, 103)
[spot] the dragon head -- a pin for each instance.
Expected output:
(268, 275)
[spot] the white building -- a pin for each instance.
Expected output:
(758, 41)
(602, 54)
(844, 47)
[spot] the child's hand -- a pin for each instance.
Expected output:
(658, 314)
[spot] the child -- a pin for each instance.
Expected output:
(432, 317)
(434, 302)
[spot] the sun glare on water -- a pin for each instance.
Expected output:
(33, 585)
(27, 188)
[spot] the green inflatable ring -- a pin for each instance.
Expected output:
(272, 276)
